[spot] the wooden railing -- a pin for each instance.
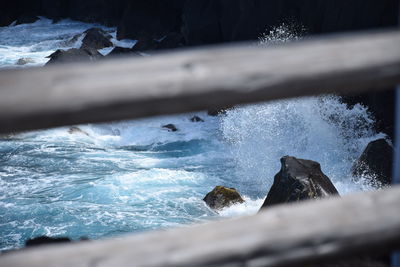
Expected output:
(311, 232)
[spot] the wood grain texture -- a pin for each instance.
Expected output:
(195, 79)
(291, 235)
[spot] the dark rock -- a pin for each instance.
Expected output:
(73, 55)
(171, 127)
(96, 38)
(171, 41)
(45, 240)
(26, 19)
(376, 162)
(222, 197)
(196, 119)
(77, 130)
(298, 180)
(218, 111)
(145, 45)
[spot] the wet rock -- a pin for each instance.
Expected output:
(24, 61)
(375, 162)
(170, 127)
(222, 197)
(299, 179)
(73, 55)
(96, 38)
(196, 119)
(77, 130)
(45, 240)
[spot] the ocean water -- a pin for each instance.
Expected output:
(135, 176)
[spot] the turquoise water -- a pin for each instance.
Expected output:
(135, 176)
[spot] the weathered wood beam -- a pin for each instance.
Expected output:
(195, 79)
(291, 235)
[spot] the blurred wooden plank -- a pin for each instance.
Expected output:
(290, 235)
(195, 79)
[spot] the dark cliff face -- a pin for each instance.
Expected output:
(210, 21)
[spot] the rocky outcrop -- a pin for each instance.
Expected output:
(45, 240)
(196, 119)
(73, 55)
(298, 180)
(375, 162)
(170, 127)
(222, 197)
(96, 38)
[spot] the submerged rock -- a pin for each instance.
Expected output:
(222, 197)
(45, 240)
(96, 38)
(375, 162)
(76, 130)
(299, 179)
(171, 127)
(24, 61)
(196, 119)
(73, 55)
(218, 111)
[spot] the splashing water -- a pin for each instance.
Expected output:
(135, 176)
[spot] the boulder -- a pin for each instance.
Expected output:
(298, 180)
(45, 240)
(222, 197)
(170, 127)
(375, 162)
(196, 119)
(24, 61)
(73, 55)
(96, 38)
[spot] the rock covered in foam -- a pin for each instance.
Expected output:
(375, 162)
(170, 127)
(222, 197)
(24, 61)
(299, 179)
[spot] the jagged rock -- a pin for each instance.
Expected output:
(24, 61)
(222, 197)
(73, 55)
(77, 130)
(96, 38)
(375, 162)
(45, 240)
(170, 127)
(196, 119)
(299, 179)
